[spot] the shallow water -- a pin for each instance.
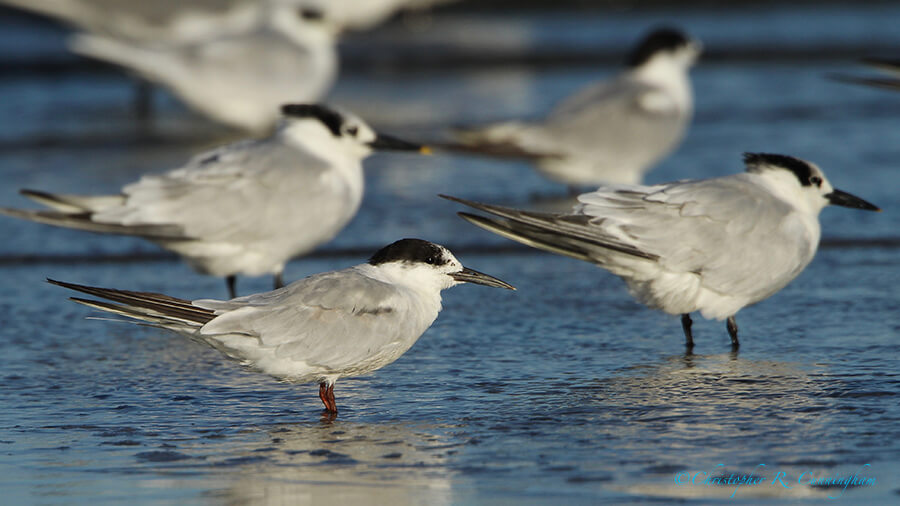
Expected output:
(565, 390)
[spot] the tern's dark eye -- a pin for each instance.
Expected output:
(429, 260)
(310, 14)
(352, 131)
(816, 180)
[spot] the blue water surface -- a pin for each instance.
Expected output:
(564, 391)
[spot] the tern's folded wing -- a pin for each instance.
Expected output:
(333, 320)
(621, 111)
(730, 230)
(733, 233)
(241, 194)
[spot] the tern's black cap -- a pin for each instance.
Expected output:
(660, 39)
(410, 250)
(329, 117)
(800, 168)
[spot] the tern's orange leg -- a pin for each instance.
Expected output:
(326, 393)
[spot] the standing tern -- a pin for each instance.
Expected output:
(244, 208)
(610, 132)
(321, 328)
(709, 245)
(238, 79)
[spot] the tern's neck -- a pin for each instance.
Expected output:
(783, 185)
(310, 136)
(425, 284)
(668, 73)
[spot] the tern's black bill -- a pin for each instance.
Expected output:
(842, 198)
(395, 144)
(472, 276)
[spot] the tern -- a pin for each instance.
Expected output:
(609, 132)
(320, 328)
(244, 208)
(238, 79)
(709, 245)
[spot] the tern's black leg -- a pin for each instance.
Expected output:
(231, 282)
(686, 323)
(279, 281)
(731, 324)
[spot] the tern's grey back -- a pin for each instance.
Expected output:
(624, 123)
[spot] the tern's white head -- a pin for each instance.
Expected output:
(800, 183)
(424, 265)
(665, 47)
(330, 132)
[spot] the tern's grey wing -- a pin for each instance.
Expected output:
(729, 230)
(242, 193)
(619, 116)
(337, 321)
(565, 234)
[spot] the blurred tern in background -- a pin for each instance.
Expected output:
(709, 245)
(321, 328)
(158, 21)
(610, 132)
(888, 66)
(244, 208)
(187, 21)
(366, 14)
(237, 79)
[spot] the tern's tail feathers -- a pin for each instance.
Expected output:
(77, 211)
(157, 309)
(564, 234)
(527, 235)
(82, 221)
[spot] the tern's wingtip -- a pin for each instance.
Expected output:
(453, 199)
